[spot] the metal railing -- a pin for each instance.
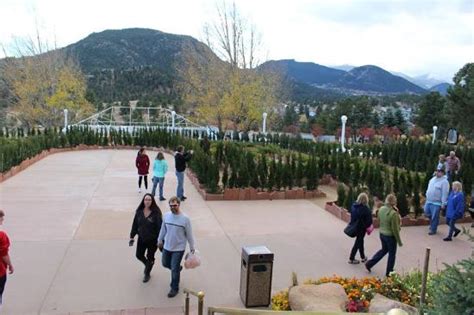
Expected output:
(239, 311)
(199, 295)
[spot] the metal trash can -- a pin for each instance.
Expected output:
(256, 276)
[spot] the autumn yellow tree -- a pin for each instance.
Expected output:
(230, 92)
(43, 85)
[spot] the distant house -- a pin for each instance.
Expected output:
(326, 138)
(307, 136)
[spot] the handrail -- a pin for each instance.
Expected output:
(199, 295)
(240, 311)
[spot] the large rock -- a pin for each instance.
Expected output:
(382, 304)
(327, 297)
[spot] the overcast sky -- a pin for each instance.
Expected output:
(414, 37)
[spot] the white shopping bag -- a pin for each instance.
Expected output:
(192, 260)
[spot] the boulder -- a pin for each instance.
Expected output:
(326, 297)
(382, 304)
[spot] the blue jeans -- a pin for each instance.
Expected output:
(156, 181)
(432, 212)
(389, 245)
(172, 261)
(452, 227)
(180, 188)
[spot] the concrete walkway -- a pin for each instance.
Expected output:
(69, 218)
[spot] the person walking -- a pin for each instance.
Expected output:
(180, 159)
(389, 227)
(453, 166)
(455, 210)
(361, 214)
(142, 162)
(147, 224)
(436, 198)
(175, 232)
(160, 167)
(5, 261)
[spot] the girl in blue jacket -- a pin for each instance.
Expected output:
(160, 167)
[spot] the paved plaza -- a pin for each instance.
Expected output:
(69, 217)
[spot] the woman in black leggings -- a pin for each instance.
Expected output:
(147, 224)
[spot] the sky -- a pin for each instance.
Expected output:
(416, 37)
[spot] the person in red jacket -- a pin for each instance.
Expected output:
(5, 261)
(142, 163)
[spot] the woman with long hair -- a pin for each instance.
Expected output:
(160, 167)
(389, 228)
(142, 162)
(455, 210)
(361, 214)
(147, 224)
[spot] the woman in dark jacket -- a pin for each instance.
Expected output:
(147, 224)
(455, 211)
(142, 162)
(360, 212)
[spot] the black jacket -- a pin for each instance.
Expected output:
(363, 214)
(180, 161)
(147, 228)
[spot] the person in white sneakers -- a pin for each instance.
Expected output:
(175, 232)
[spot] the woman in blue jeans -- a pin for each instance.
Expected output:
(455, 210)
(389, 227)
(160, 167)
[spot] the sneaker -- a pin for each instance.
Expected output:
(368, 268)
(431, 233)
(146, 278)
(363, 260)
(353, 261)
(139, 190)
(456, 233)
(447, 239)
(162, 198)
(184, 198)
(172, 293)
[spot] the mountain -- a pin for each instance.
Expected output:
(377, 80)
(441, 88)
(368, 80)
(344, 67)
(425, 81)
(136, 63)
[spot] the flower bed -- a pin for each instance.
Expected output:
(403, 288)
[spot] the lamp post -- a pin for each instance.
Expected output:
(173, 114)
(343, 132)
(434, 133)
(264, 127)
(65, 118)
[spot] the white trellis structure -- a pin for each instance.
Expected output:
(132, 118)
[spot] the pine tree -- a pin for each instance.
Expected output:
(272, 175)
(402, 203)
(263, 171)
(225, 175)
(355, 173)
(300, 171)
(396, 182)
(416, 203)
(349, 199)
(341, 195)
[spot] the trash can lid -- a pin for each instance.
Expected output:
(256, 253)
(255, 250)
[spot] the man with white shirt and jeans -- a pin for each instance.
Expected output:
(175, 232)
(436, 198)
